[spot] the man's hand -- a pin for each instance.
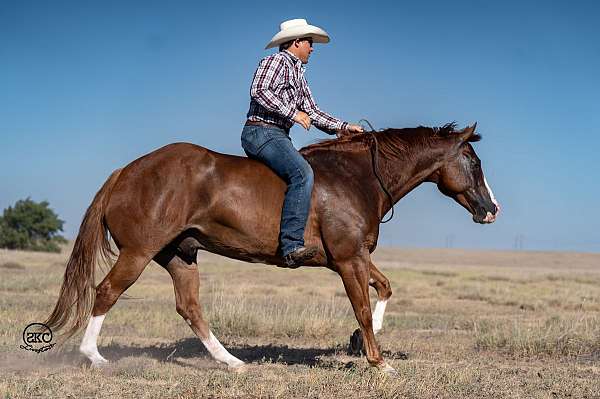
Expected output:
(303, 119)
(349, 131)
(355, 128)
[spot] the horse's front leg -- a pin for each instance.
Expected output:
(355, 276)
(382, 285)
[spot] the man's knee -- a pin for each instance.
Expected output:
(302, 174)
(307, 175)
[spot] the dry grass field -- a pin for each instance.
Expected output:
(461, 324)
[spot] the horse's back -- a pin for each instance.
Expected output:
(185, 185)
(191, 166)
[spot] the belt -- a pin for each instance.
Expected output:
(267, 124)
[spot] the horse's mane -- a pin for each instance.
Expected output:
(391, 141)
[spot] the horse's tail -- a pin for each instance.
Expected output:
(78, 292)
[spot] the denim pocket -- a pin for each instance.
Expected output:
(254, 138)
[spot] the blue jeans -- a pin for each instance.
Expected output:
(273, 147)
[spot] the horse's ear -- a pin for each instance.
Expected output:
(465, 134)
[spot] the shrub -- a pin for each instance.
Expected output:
(32, 226)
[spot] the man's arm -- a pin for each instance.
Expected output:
(269, 74)
(321, 120)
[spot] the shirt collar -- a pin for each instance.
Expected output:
(295, 60)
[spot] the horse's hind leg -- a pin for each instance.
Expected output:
(123, 274)
(382, 285)
(186, 281)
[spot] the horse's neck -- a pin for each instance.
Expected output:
(403, 173)
(400, 173)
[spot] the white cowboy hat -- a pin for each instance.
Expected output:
(295, 29)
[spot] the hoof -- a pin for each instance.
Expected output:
(238, 367)
(98, 364)
(93, 356)
(356, 343)
(388, 370)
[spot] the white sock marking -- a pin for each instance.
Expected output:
(378, 315)
(219, 353)
(89, 346)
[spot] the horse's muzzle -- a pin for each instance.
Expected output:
(489, 216)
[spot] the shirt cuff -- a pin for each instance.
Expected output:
(344, 126)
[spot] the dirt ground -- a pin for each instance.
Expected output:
(460, 324)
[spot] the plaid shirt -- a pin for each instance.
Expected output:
(279, 90)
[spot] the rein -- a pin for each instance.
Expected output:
(375, 165)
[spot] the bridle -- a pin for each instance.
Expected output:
(375, 164)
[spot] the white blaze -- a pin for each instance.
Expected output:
(89, 345)
(490, 192)
(219, 353)
(489, 217)
(378, 315)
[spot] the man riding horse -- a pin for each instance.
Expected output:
(280, 97)
(183, 198)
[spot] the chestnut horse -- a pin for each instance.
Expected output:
(182, 197)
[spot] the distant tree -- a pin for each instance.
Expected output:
(31, 225)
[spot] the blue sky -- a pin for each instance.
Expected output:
(86, 87)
